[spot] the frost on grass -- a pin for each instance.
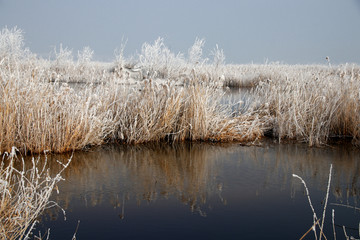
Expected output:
(25, 194)
(316, 220)
(62, 104)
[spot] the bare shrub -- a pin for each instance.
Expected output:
(219, 56)
(157, 61)
(12, 46)
(195, 53)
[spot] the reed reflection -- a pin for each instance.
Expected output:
(116, 174)
(194, 173)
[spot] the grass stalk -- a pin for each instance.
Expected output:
(316, 219)
(24, 195)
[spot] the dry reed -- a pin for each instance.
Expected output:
(166, 112)
(313, 106)
(131, 104)
(24, 196)
(37, 115)
(316, 220)
(39, 112)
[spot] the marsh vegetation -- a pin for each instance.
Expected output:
(163, 96)
(62, 104)
(25, 193)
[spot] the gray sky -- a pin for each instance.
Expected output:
(289, 31)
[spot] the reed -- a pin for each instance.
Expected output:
(168, 113)
(37, 116)
(39, 111)
(164, 97)
(24, 195)
(313, 106)
(318, 222)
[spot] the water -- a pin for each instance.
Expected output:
(238, 99)
(203, 191)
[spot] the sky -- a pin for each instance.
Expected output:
(249, 31)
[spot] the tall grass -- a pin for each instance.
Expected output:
(40, 112)
(37, 116)
(163, 96)
(24, 195)
(313, 106)
(165, 112)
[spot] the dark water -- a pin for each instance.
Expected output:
(203, 191)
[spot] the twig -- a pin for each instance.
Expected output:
(333, 223)
(307, 194)
(326, 201)
(343, 205)
(347, 237)
(77, 227)
(312, 227)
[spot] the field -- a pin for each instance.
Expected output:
(61, 104)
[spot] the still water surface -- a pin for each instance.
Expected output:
(203, 191)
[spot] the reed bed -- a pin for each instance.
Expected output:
(24, 195)
(168, 113)
(44, 116)
(37, 116)
(311, 106)
(162, 96)
(40, 111)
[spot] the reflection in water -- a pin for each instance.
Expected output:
(192, 172)
(203, 176)
(146, 172)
